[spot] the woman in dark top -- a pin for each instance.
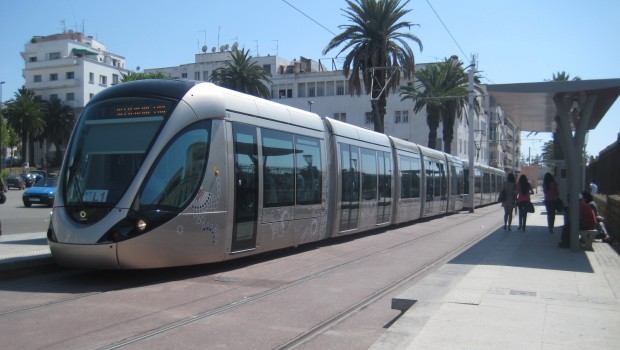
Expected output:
(510, 189)
(552, 194)
(524, 189)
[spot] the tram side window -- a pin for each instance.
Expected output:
(308, 170)
(369, 174)
(410, 177)
(486, 182)
(178, 173)
(278, 171)
(385, 176)
(442, 181)
(430, 180)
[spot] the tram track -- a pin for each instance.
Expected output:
(327, 324)
(75, 279)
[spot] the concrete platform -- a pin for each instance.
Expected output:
(514, 290)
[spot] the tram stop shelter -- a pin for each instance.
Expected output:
(569, 108)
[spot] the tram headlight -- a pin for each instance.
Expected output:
(141, 225)
(136, 224)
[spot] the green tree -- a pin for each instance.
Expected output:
(25, 114)
(141, 76)
(427, 93)
(243, 75)
(442, 88)
(59, 119)
(562, 76)
(455, 90)
(373, 39)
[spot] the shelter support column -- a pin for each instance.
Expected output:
(578, 112)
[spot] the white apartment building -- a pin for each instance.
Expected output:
(307, 84)
(72, 67)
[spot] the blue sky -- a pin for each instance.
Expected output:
(515, 41)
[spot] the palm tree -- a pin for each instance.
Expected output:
(59, 119)
(243, 75)
(442, 89)
(562, 76)
(427, 94)
(455, 89)
(25, 114)
(373, 40)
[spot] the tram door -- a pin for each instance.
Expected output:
(246, 187)
(350, 177)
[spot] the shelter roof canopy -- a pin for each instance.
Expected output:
(531, 106)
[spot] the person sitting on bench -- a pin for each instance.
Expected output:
(587, 221)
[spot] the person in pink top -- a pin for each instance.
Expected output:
(524, 189)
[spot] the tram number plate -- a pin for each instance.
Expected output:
(95, 195)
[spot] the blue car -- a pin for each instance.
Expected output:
(42, 192)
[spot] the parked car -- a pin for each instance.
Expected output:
(42, 192)
(38, 174)
(29, 179)
(15, 181)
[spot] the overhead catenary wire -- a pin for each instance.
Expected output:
(447, 30)
(310, 18)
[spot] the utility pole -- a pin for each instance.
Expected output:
(471, 119)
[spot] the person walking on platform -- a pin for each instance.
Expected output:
(552, 198)
(593, 187)
(510, 195)
(524, 189)
(3, 188)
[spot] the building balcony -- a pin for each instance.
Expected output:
(53, 84)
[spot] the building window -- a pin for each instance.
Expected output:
(91, 78)
(368, 118)
(301, 90)
(340, 88)
(103, 80)
(33, 59)
(184, 75)
(115, 79)
(90, 96)
(54, 56)
(196, 75)
(401, 117)
(70, 96)
(70, 75)
(342, 116)
(330, 89)
(285, 93)
(320, 88)
(267, 68)
(53, 76)
(205, 75)
(37, 78)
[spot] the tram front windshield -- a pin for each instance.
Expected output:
(108, 148)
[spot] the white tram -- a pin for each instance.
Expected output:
(165, 173)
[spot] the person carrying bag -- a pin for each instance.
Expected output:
(524, 203)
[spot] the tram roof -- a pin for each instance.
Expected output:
(531, 105)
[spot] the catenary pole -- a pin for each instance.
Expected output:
(471, 119)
